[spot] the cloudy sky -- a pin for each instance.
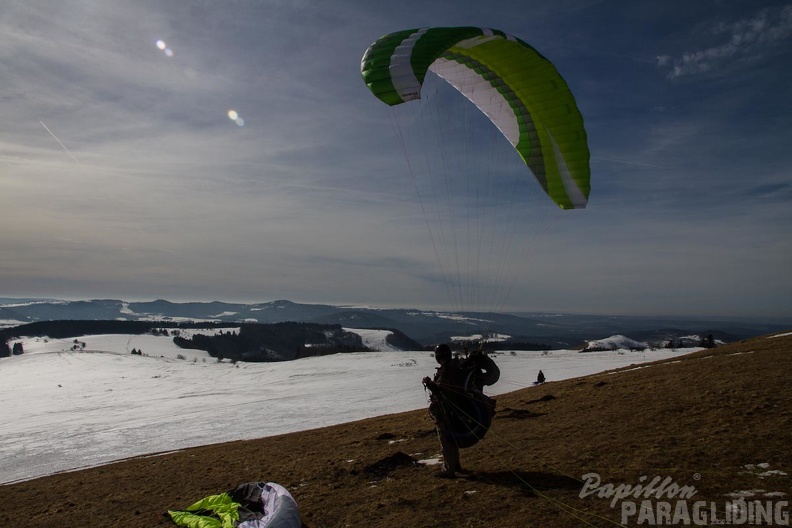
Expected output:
(229, 150)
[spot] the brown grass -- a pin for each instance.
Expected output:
(699, 420)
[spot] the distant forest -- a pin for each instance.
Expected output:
(276, 342)
(514, 345)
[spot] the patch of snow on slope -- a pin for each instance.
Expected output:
(376, 340)
(616, 342)
(8, 323)
(32, 303)
(224, 314)
(116, 344)
(492, 338)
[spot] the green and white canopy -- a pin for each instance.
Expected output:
(520, 91)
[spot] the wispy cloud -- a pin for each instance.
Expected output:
(743, 40)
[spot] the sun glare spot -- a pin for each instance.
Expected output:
(234, 116)
(164, 48)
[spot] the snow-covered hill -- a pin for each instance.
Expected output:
(615, 342)
(63, 409)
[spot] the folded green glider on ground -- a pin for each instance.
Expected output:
(520, 91)
(251, 505)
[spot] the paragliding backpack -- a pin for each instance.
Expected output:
(464, 412)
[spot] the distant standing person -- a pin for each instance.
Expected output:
(461, 381)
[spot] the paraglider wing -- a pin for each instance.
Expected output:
(250, 505)
(518, 89)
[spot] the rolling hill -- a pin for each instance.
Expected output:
(549, 330)
(713, 425)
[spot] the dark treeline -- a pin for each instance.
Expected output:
(515, 345)
(276, 342)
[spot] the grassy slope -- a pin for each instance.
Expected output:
(699, 420)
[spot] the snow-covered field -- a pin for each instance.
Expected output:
(62, 409)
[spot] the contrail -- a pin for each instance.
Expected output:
(60, 143)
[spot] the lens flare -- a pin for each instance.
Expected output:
(233, 115)
(163, 47)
